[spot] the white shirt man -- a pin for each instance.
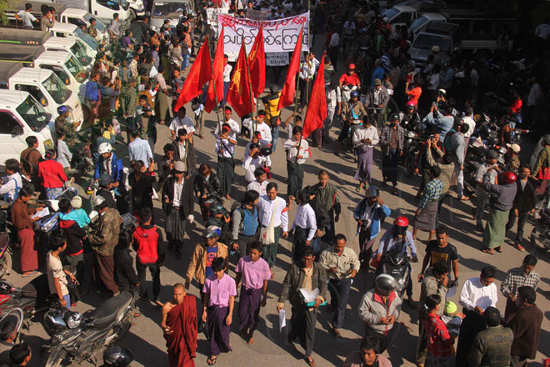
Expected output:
(235, 128)
(13, 184)
(275, 209)
(251, 163)
(179, 122)
(305, 219)
(259, 187)
(471, 124)
(225, 148)
(227, 73)
(27, 18)
(365, 133)
(294, 148)
(265, 132)
(475, 294)
(307, 71)
(140, 150)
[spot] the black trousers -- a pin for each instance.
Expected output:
(302, 327)
(522, 219)
(225, 171)
(472, 324)
(390, 167)
(155, 274)
(300, 237)
(295, 178)
(339, 295)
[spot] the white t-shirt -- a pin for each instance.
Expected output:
(186, 123)
(27, 18)
(227, 73)
(55, 270)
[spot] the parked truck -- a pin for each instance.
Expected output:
(22, 116)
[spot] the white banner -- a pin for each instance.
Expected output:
(277, 58)
(280, 35)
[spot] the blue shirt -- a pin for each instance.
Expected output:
(139, 150)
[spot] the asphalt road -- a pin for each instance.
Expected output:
(270, 348)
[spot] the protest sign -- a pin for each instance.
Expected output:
(277, 59)
(280, 34)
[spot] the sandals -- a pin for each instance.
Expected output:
(310, 361)
(489, 251)
(211, 360)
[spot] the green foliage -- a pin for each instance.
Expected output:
(3, 8)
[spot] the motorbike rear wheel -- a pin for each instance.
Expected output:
(58, 357)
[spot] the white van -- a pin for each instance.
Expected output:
(424, 21)
(103, 9)
(22, 116)
(73, 46)
(43, 85)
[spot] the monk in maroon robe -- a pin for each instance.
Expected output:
(179, 321)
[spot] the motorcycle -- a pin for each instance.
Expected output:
(396, 264)
(76, 338)
(540, 236)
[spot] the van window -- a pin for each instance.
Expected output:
(65, 78)
(9, 124)
(34, 91)
(77, 22)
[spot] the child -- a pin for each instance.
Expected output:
(452, 318)
(219, 299)
(57, 277)
(77, 214)
(255, 274)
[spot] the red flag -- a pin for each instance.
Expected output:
(239, 95)
(199, 75)
(256, 63)
(214, 97)
(317, 108)
(289, 89)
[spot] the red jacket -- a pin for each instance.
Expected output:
(146, 243)
(51, 174)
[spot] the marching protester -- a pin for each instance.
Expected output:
(448, 118)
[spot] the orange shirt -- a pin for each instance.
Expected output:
(414, 95)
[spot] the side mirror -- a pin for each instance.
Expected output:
(17, 130)
(43, 102)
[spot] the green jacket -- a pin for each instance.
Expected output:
(294, 280)
(543, 162)
(105, 239)
(492, 347)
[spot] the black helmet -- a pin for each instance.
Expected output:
(385, 283)
(116, 356)
(217, 209)
(354, 93)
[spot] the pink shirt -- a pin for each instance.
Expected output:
(253, 273)
(219, 290)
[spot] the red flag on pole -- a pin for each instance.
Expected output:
(289, 89)
(199, 75)
(240, 95)
(214, 97)
(256, 63)
(317, 108)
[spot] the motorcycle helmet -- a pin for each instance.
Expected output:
(98, 201)
(372, 191)
(216, 209)
(104, 148)
(62, 109)
(213, 231)
(395, 117)
(385, 284)
(72, 319)
(508, 177)
(116, 356)
(401, 224)
(266, 151)
(410, 105)
(546, 139)
(354, 94)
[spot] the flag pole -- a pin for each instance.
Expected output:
(215, 91)
(254, 125)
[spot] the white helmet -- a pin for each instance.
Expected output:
(104, 148)
(98, 200)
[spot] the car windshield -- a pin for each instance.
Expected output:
(79, 51)
(76, 69)
(165, 9)
(390, 13)
(55, 87)
(419, 22)
(34, 114)
(427, 41)
(86, 38)
(98, 23)
(59, 71)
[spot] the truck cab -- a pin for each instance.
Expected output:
(38, 38)
(81, 17)
(424, 21)
(400, 15)
(44, 85)
(62, 63)
(22, 116)
(171, 10)
(440, 34)
(65, 30)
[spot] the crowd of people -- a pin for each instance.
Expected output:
(133, 88)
